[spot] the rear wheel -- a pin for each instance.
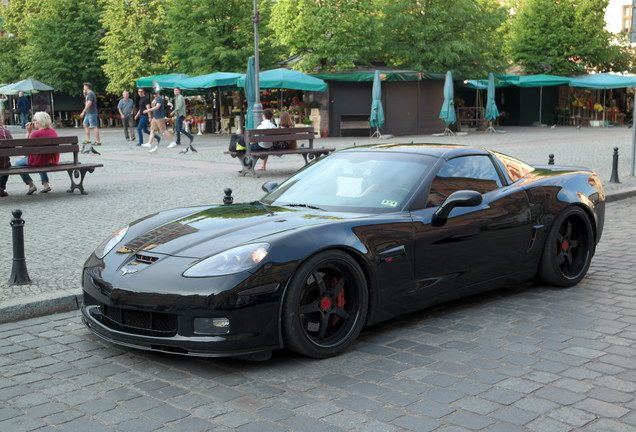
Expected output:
(568, 250)
(325, 306)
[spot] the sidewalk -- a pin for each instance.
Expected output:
(61, 229)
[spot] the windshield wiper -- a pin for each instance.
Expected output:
(263, 205)
(304, 205)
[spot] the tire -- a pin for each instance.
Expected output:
(325, 306)
(568, 250)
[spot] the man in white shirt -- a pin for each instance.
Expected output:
(267, 123)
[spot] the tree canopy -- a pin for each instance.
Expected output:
(114, 42)
(435, 37)
(565, 37)
(326, 34)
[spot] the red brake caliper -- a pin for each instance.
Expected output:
(340, 301)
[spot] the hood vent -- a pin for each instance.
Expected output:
(145, 259)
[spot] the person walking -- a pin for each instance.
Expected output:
(158, 123)
(89, 114)
(126, 107)
(24, 108)
(179, 117)
(144, 104)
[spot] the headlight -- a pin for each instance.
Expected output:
(108, 244)
(230, 261)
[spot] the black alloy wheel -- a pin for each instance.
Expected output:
(325, 306)
(568, 250)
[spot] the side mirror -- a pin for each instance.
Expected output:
(269, 186)
(462, 198)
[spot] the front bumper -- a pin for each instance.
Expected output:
(126, 311)
(227, 345)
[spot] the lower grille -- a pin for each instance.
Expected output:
(141, 323)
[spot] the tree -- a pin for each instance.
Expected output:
(134, 43)
(13, 42)
(327, 34)
(436, 36)
(216, 35)
(62, 42)
(565, 37)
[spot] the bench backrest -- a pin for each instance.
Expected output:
(38, 146)
(280, 134)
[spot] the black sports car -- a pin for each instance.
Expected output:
(355, 238)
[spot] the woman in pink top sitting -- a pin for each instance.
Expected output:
(42, 122)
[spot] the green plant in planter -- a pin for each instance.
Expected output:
(314, 104)
(307, 121)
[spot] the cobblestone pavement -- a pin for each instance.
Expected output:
(525, 358)
(63, 229)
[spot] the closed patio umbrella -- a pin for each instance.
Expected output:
(376, 119)
(250, 84)
(447, 114)
(492, 112)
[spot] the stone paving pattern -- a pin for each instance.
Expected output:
(522, 358)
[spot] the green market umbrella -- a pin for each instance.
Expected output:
(447, 113)
(30, 86)
(603, 81)
(165, 81)
(492, 112)
(216, 79)
(249, 82)
(541, 80)
(377, 113)
(287, 79)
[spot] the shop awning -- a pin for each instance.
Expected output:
(388, 75)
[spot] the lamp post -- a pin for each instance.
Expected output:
(258, 108)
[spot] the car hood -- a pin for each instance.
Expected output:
(215, 229)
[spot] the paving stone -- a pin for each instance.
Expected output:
(514, 415)
(468, 420)
(418, 424)
(572, 416)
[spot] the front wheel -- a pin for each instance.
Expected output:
(325, 306)
(568, 250)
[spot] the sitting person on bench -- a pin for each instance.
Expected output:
(265, 124)
(285, 121)
(42, 122)
(4, 160)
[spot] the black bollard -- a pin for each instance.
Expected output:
(614, 176)
(227, 199)
(550, 159)
(19, 273)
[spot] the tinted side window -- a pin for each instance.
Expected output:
(463, 173)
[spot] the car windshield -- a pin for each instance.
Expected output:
(359, 181)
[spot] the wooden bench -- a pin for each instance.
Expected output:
(43, 146)
(309, 154)
(354, 122)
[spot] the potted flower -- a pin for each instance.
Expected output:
(77, 119)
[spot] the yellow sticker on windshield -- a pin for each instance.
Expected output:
(389, 203)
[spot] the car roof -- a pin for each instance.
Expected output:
(443, 151)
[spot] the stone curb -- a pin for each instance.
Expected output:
(35, 306)
(51, 303)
